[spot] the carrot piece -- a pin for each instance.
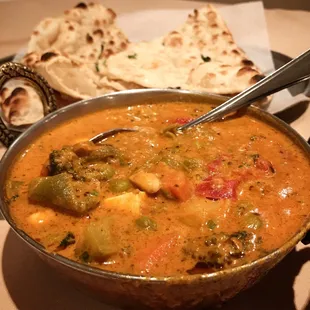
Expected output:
(148, 258)
(177, 184)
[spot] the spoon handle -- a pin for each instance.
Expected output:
(295, 71)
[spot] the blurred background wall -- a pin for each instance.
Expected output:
(274, 4)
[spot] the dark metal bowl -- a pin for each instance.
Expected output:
(139, 292)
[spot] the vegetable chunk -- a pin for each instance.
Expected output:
(175, 183)
(144, 222)
(155, 253)
(129, 202)
(62, 191)
(217, 188)
(98, 241)
(61, 160)
(147, 182)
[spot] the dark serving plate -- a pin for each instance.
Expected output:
(6, 59)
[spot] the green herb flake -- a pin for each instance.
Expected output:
(144, 222)
(133, 56)
(94, 193)
(68, 240)
(97, 67)
(205, 58)
(13, 198)
(101, 49)
(241, 235)
(167, 194)
(85, 257)
(211, 224)
(255, 157)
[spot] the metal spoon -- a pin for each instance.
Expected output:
(294, 72)
(104, 135)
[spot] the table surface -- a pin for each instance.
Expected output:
(27, 283)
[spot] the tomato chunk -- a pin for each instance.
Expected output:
(217, 188)
(156, 253)
(176, 184)
(214, 165)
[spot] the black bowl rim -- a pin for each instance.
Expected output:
(161, 279)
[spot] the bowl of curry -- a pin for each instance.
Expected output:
(150, 219)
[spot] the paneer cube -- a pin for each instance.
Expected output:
(41, 217)
(129, 202)
(145, 181)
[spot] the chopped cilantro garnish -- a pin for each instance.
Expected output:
(133, 56)
(255, 157)
(69, 239)
(13, 198)
(97, 63)
(211, 224)
(101, 50)
(84, 257)
(94, 193)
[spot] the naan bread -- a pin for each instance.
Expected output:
(68, 76)
(83, 54)
(20, 103)
(67, 50)
(84, 33)
(200, 55)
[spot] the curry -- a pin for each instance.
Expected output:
(157, 203)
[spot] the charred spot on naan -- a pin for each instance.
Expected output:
(246, 70)
(48, 55)
(174, 39)
(256, 78)
(81, 5)
(247, 62)
(107, 53)
(13, 103)
(20, 103)
(112, 13)
(89, 38)
(98, 32)
(30, 59)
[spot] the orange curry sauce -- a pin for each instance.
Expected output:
(227, 193)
